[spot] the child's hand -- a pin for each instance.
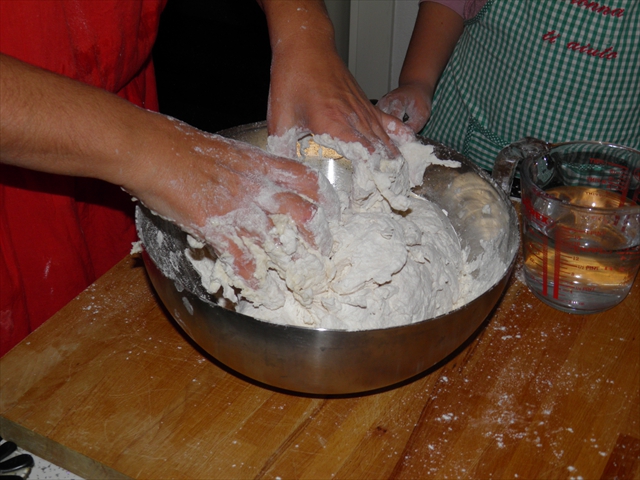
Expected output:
(409, 103)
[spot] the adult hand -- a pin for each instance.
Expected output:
(410, 103)
(216, 189)
(223, 192)
(312, 91)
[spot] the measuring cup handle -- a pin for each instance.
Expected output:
(510, 156)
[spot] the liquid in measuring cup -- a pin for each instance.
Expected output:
(578, 262)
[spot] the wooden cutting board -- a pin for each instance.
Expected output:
(110, 388)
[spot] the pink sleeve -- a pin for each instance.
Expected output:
(465, 8)
(455, 5)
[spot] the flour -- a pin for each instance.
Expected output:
(394, 257)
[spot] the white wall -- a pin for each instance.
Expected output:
(372, 37)
(339, 12)
(404, 17)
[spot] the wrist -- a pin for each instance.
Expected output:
(423, 87)
(143, 141)
(298, 27)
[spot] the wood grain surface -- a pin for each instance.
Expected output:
(110, 388)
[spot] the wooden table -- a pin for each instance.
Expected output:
(110, 388)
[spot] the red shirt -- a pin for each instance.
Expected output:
(58, 234)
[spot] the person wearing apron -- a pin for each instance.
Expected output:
(555, 70)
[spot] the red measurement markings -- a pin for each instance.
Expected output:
(538, 250)
(636, 181)
(556, 262)
(533, 214)
(545, 268)
(599, 161)
(620, 184)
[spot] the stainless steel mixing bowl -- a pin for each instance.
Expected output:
(329, 362)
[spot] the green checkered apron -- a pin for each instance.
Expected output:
(558, 70)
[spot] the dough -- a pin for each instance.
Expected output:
(395, 258)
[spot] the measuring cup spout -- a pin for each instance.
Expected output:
(504, 170)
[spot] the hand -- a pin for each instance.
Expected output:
(312, 91)
(222, 191)
(409, 103)
(323, 97)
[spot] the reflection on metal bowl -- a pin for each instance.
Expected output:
(330, 362)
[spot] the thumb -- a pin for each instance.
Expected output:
(392, 105)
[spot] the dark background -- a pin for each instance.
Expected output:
(212, 61)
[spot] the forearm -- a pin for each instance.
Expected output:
(298, 25)
(302, 43)
(54, 124)
(434, 37)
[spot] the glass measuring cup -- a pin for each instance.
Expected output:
(580, 220)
